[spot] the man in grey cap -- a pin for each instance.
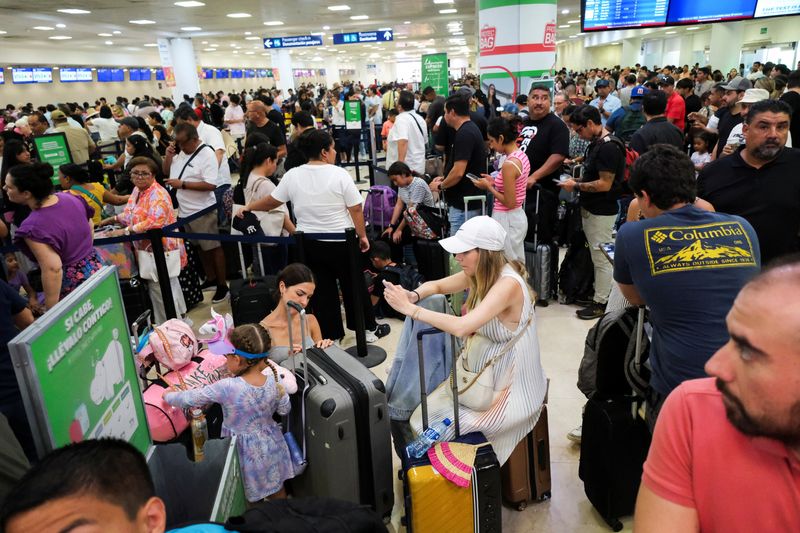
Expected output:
(730, 114)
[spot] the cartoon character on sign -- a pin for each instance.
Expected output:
(488, 34)
(550, 35)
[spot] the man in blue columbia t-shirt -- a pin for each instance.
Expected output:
(686, 264)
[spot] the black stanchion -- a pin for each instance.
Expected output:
(156, 235)
(369, 354)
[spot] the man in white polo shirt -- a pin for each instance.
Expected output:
(408, 137)
(191, 167)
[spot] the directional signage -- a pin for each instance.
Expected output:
(363, 37)
(297, 41)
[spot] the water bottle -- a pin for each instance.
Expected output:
(199, 434)
(428, 438)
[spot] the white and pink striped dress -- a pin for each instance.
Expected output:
(518, 374)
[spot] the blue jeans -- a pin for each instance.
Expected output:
(456, 217)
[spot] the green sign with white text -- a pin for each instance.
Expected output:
(53, 148)
(435, 73)
(352, 114)
(76, 370)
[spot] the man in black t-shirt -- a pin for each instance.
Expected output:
(657, 129)
(734, 92)
(435, 107)
(792, 97)
(545, 139)
(468, 156)
(258, 122)
(302, 122)
(600, 188)
(760, 181)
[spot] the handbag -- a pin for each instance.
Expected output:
(147, 264)
(478, 392)
(425, 222)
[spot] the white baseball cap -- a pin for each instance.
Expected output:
(478, 232)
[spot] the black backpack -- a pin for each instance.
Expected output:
(629, 124)
(307, 515)
(406, 275)
(576, 275)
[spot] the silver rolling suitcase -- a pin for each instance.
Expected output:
(541, 261)
(342, 406)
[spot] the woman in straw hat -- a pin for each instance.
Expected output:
(500, 361)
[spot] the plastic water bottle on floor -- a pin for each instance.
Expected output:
(420, 445)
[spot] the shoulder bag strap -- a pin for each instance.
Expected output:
(87, 193)
(191, 159)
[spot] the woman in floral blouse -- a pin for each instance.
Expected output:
(150, 206)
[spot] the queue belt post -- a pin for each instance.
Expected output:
(369, 354)
(299, 247)
(156, 237)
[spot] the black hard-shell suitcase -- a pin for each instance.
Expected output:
(342, 406)
(252, 298)
(429, 511)
(135, 297)
(432, 259)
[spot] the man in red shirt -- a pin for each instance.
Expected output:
(676, 106)
(725, 454)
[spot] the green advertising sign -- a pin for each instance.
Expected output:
(76, 370)
(435, 73)
(53, 148)
(352, 114)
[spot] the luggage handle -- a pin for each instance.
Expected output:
(244, 267)
(422, 385)
(468, 199)
(303, 323)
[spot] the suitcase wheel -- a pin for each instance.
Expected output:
(542, 303)
(521, 506)
(615, 524)
(545, 496)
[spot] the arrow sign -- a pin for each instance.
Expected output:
(296, 41)
(387, 36)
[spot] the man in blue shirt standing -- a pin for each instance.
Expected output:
(605, 102)
(686, 264)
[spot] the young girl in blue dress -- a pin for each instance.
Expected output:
(248, 402)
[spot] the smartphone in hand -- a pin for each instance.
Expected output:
(473, 177)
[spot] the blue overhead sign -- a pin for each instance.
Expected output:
(363, 37)
(297, 41)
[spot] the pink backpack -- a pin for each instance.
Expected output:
(165, 421)
(173, 344)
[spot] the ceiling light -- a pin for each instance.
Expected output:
(209, 49)
(573, 21)
(359, 17)
(326, 27)
(142, 21)
(104, 35)
(447, 11)
(252, 38)
(191, 28)
(572, 36)
(341, 7)
(151, 44)
(248, 33)
(443, 1)
(458, 33)
(670, 32)
(43, 28)
(318, 33)
(236, 51)
(251, 53)
(407, 22)
(61, 25)
(116, 32)
(189, 3)
(204, 42)
(60, 37)
(73, 11)
(214, 45)
(384, 29)
(693, 28)
(273, 23)
(109, 42)
(402, 36)
(565, 11)
(3, 32)
(238, 15)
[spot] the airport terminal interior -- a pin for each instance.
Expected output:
(90, 54)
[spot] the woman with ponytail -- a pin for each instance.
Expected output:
(58, 232)
(249, 400)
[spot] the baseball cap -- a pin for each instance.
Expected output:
(511, 108)
(522, 99)
(639, 91)
(666, 81)
(751, 96)
(738, 84)
(478, 232)
(130, 122)
(601, 83)
(58, 115)
(465, 92)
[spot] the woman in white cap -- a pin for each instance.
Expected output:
(500, 377)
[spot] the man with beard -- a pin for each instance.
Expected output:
(760, 181)
(726, 451)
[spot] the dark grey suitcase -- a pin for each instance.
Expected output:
(541, 261)
(346, 439)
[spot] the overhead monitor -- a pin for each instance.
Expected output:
(134, 75)
(208, 73)
(145, 74)
(696, 11)
(159, 74)
(223, 73)
(32, 75)
(236, 73)
(777, 8)
(72, 74)
(601, 15)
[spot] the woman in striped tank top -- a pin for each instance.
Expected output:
(512, 177)
(500, 319)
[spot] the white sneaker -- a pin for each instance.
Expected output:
(575, 435)
(370, 336)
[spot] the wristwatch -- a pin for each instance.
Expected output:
(127, 232)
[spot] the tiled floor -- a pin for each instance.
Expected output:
(561, 342)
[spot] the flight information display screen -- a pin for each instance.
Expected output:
(614, 14)
(777, 8)
(694, 11)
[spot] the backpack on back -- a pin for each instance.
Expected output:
(406, 275)
(630, 122)
(631, 156)
(379, 205)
